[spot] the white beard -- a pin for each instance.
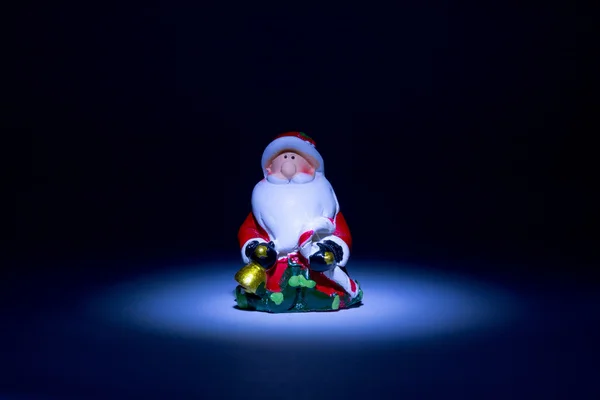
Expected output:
(287, 210)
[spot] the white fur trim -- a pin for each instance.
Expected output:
(246, 259)
(322, 227)
(342, 279)
(344, 247)
(292, 143)
(309, 249)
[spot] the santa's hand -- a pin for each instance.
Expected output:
(329, 254)
(263, 254)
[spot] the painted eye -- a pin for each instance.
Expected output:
(285, 156)
(293, 157)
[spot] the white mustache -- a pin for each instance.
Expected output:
(298, 178)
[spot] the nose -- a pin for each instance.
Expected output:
(288, 169)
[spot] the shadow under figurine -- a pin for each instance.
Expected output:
(295, 242)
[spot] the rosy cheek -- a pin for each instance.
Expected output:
(306, 170)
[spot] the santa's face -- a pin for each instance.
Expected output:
(290, 167)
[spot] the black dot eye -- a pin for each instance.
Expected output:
(285, 156)
(293, 157)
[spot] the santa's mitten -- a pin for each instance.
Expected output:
(264, 254)
(327, 257)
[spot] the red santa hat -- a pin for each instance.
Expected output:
(299, 142)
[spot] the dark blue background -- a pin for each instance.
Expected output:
(453, 134)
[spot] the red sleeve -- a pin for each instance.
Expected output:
(341, 230)
(250, 229)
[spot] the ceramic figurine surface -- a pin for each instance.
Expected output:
(295, 243)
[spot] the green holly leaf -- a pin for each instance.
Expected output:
(305, 135)
(336, 302)
(294, 281)
(277, 298)
(310, 284)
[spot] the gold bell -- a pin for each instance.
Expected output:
(251, 276)
(328, 258)
(261, 251)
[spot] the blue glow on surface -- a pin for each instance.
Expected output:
(401, 302)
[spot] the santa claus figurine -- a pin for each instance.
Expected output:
(295, 242)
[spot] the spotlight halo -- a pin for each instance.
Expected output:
(401, 302)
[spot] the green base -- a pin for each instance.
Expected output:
(298, 294)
